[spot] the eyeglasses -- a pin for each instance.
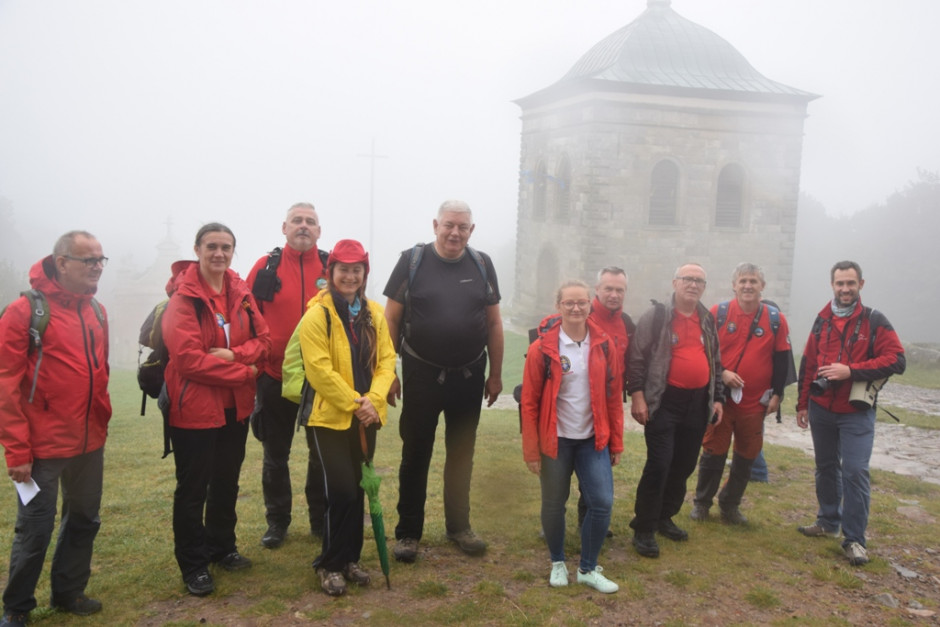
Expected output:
(575, 304)
(90, 262)
(700, 282)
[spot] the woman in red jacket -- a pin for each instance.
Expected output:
(215, 339)
(572, 421)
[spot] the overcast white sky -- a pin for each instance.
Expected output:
(117, 114)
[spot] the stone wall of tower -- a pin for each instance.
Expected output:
(613, 142)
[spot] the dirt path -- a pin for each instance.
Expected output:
(905, 450)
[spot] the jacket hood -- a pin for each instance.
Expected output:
(185, 280)
(42, 278)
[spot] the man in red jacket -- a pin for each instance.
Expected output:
(282, 292)
(54, 415)
(849, 345)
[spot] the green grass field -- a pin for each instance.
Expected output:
(757, 575)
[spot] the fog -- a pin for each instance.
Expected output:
(123, 116)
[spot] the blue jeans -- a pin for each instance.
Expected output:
(842, 445)
(597, 486)
(80, 478)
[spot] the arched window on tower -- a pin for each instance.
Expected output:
(539, 195)
(730, 198)
(563, 189)
(664, 193)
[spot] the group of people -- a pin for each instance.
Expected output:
(697, 379)
(227, 339)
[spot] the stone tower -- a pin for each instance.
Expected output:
(661, 145)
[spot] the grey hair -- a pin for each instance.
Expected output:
(747, 268)
(690, 263)
(612, 270)
(301, 205)
(454, 206)
(63, 245)
(845, 265)
(571, 283)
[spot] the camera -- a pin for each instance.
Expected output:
(819, 386)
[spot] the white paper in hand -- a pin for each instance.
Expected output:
(27, 490)
(736, 394)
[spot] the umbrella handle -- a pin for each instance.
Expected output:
(363, 443)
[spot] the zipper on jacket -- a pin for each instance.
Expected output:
(86, 332)
(303, 287)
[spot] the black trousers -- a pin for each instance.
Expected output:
(279, 418)
(425, 396)
(340, 455)
(673, 440)
(208, 463)
(80, 478)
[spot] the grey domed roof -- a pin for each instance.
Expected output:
(662, 49)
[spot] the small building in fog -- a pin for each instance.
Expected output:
(661, 145)
(133, 298)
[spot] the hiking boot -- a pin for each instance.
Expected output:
(856, 553)
(559, 576)
(80, 606)
(274, 536)
(733, 516)
(594, 579)
(645, 543)
(671, 531)
(200, 584)
(816, 531)
(13, 620)
(234, 561)
(354, 573)
(332, 582)
(469, 542)
(699, 513)
(406, 550)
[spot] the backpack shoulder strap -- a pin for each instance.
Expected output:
(481, 266)
(721, 316)
(274, 259)
(324, 258)
(416, 253)
(773, 312)
(38, 317)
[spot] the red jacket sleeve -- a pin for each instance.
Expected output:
(614, 410)
(14, 357)
(188, 342)
(533, 382)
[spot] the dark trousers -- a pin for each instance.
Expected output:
(208, 462)
(340, 455)
(80, 478)
(425, 396)
(673, 439)
(279, 419)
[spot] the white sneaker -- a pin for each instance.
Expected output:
(559, 576)
(856, 553)
(596, 580)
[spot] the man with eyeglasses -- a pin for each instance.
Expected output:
(674, 380)
(54, 413)
(443, 316)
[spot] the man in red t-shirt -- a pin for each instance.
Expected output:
(674, 381)
(755, 353)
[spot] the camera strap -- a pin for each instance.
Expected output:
(754, 324)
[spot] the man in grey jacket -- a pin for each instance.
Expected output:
(675, 386)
